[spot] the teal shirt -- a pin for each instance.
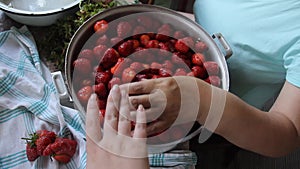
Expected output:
(265, 38)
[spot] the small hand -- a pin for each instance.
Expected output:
(117, 147)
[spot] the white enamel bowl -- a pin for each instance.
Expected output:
(38, 12)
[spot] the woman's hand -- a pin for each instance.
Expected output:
(117, 146)
(168, 101)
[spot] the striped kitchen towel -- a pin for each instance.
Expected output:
(29, 102)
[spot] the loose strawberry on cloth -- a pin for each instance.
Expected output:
(29, 102)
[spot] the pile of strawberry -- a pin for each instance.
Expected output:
(46, 143)
(135, 49)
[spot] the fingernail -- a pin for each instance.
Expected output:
(115, 87)
(141, 108)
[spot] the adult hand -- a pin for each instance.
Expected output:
(169, 101)
(117, 146)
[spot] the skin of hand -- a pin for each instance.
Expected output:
(169, 98)
(117, 146)
(274, 133)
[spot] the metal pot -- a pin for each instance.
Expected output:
(163, 14)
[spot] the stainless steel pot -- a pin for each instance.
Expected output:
(163, 14)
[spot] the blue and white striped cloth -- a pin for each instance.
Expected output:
(29, 102)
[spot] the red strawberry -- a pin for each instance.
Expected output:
(82, 66)
(84, 94)
(87, 53)
(178, 35)
(126, 48)
(144, 39)
(199, 72)
(145, 21)
(41, 144)
(137, 31)
(165, 72)
(100, 90)
(211, 67)
(101, 26)
(63, 158)
(110, 58)
(64, 146)
(123, 29)
(128, 75)
(102, 40)
(200, 46)
(198, 59)
(99, 52)
(214, 80)
(31, 152)
(101, 103)
(152, 44)
(103, 77)
(183, 45)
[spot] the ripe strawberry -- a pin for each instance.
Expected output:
(101, 103)
(165, 72)
(84, 94)
(98, 52)
(198, 59)
(31, 152)
(102, 40)
(38, 142)
(211, 67)
(155, 65)
(183, 45)
(82, 66)
(63, 158)
(116, 41)
(110, 58)
(200, 46)
(125, 48)
(62, 150)
(100, 90)
(41, 144)
(144, 39)
(123, 29)
(137, 31)
(103, 77)
(214, 80)
(145, 21)
(152, 44)
(199, 72)
(101, 26)
(86, 53)
(137, 66)
(128, 75)
(178, 35)
(135, 42)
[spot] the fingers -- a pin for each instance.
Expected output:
(92, 119)
(140, 127)
(142, 87)
(111, 115)
(124, 126)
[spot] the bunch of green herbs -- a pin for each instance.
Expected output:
(52, 41)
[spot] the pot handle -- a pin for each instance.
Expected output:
(60, 86)
(224, 43)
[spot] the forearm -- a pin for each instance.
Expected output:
(267, 133)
